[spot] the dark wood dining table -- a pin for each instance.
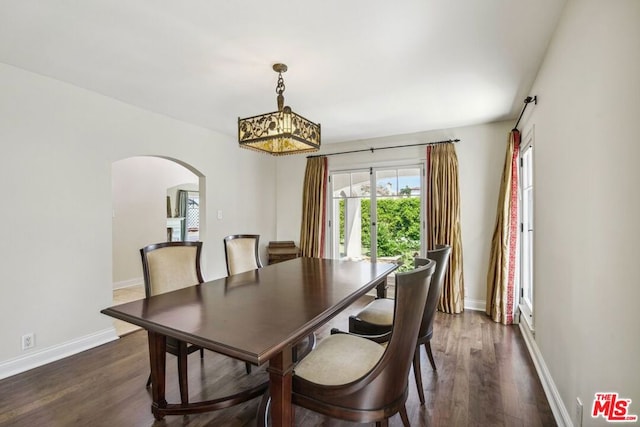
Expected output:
(257, 316)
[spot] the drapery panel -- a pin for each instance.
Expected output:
(443, 220)
(314, 202)
(502, 263)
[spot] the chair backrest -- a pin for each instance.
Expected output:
(388, 381)
(169, 266)
(441, 256)
(241, 253)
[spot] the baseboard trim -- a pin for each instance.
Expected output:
(560, 413)
(128, 283)
(33, 360)
(475, 304)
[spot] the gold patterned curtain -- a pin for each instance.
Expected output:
(314, 202)
(502, 264)
(443, 220)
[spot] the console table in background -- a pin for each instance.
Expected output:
(279, 251)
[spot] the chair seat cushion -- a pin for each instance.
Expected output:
(378, 312)
(339, 359)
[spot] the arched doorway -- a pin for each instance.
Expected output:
(146, 206)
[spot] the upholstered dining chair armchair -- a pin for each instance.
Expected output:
(356, 379)
(377, 317)
(241, 253)
(166, 267)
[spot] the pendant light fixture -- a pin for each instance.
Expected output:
(281, 132)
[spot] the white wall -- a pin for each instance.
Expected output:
(140, 186)
(58, 146)
(587, 204)
(480, 156)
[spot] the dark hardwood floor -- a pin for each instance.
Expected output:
(485, 377)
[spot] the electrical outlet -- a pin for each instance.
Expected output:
(28, 341)
(578, 412)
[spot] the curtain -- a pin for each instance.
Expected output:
(183, 198)
(314, 202)
(502, 263)
(443, 220)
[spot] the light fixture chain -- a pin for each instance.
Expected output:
(280, 87)
(279, 90)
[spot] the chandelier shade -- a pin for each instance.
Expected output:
(281, 132)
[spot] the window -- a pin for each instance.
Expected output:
(526, 230)
(193, 216)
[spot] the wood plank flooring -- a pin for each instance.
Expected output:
(485, 377)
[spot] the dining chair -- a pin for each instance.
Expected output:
(377, 317)
(241, 253)
(166, 267)
(354, 378)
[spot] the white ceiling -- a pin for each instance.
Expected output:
(362, 68)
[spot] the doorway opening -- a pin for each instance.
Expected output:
(146, 210)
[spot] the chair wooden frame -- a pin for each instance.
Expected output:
(440, 255)
(178, 348)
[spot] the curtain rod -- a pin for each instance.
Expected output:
(372, 149)
(528, 100)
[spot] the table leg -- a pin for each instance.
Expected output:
(158, 362)
(280, 375)
(381, 288)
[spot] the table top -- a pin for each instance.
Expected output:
(254, 315)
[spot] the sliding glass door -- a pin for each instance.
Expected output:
(377, 214)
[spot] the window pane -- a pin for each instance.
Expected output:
(398, 216)
(387, 183)
(360, 185)
(409, 182)
(341, 184)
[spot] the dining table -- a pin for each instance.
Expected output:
(257, 316)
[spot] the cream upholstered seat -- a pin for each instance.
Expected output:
(378, 312)
(377, 317)
(241, 253)
(339, 359)
(169, 266)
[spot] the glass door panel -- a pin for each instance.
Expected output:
(398, 216)
(350, 215)
(527, 228)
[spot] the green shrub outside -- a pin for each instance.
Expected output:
(398, 228)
